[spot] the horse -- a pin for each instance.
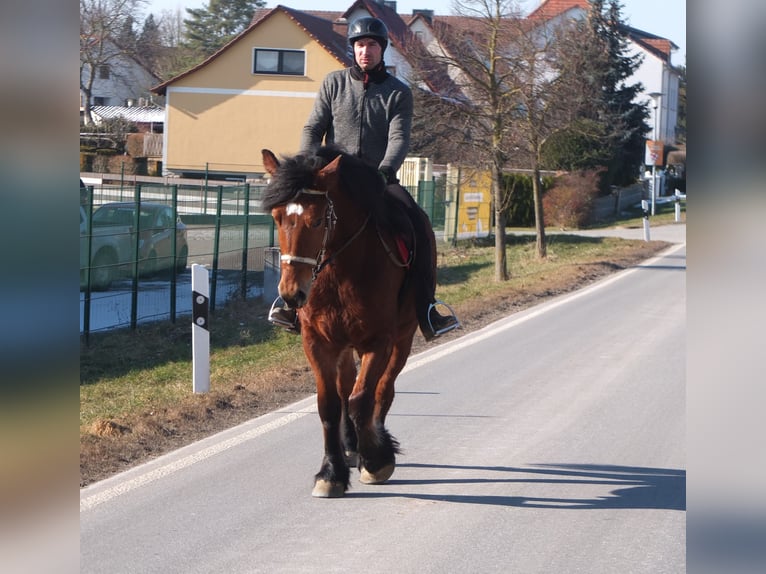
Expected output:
(341, 268)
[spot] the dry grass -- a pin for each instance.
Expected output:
(135, 390)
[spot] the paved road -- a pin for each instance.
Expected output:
(551, 441)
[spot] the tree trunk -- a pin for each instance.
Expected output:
(501, 260)
(542, 243)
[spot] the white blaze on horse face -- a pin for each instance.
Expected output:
(294, 209)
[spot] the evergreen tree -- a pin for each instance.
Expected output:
(211, 27)
(681, 124)
(126, 37)
(150, 47)
(618, 96)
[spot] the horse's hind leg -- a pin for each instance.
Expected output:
(378, 448)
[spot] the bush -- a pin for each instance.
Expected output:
(101, 161)
(568, 203)
(127, 165)
(521, 205)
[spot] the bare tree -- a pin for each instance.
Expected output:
(175, 57)
(102, 22)
(477, 113)
(513, 98)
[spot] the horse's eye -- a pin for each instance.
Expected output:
(316, 223)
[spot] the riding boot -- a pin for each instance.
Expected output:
(284, 316)
(438, 323)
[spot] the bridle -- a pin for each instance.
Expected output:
(330, 219)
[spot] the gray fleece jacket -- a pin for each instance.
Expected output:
(371, 120)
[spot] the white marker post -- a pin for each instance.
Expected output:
(200, 332)
(678, 206)
(645, 209)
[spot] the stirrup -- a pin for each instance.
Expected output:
(452, 314)
(276, 316)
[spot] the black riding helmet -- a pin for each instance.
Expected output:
(368, 28)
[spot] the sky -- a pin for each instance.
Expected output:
(666, 18)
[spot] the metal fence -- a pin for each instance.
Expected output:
(226, 231)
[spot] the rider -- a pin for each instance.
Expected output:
(380, 134)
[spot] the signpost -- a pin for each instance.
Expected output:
(653, 157)
(200, 329)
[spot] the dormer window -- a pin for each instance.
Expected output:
(271, 61)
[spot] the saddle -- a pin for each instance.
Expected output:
(400, 204)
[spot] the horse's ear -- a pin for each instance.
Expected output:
(270, 161)
(331, 167)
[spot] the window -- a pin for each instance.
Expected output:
(288, 62)
(103, 72)
(100, 101)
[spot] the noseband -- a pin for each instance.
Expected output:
(319, 262)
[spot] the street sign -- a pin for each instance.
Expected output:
(654, 152)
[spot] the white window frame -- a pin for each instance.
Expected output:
(279, 71)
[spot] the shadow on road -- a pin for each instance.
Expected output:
(636, 487)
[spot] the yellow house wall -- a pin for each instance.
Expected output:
(222, 115)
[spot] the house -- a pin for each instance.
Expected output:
(119, 79)
(254, 93)
(656, 72)
(257, 91)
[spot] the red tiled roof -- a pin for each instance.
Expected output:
(323, 32)
(660, 47)
(550, 8)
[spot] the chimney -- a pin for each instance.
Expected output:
(340, 26)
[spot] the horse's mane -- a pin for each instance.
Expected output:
(359, 180)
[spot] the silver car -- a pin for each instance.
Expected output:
(113, 242)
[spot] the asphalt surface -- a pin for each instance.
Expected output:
(550, 441)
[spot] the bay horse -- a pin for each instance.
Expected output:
(340, 267)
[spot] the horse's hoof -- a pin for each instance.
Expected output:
(378, 477)
(352, 458)
(328, 489)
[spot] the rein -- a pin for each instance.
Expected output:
(320, 262)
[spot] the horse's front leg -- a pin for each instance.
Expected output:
(332, 480)
(345, 384)
(377, 448)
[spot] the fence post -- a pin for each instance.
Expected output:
(678, 205)
(245, 240)
(204, 205)
(136, 256)
(174, 257)
(88, 271)
(200, 329)
(216, 246)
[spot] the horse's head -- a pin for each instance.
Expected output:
(298, 199)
